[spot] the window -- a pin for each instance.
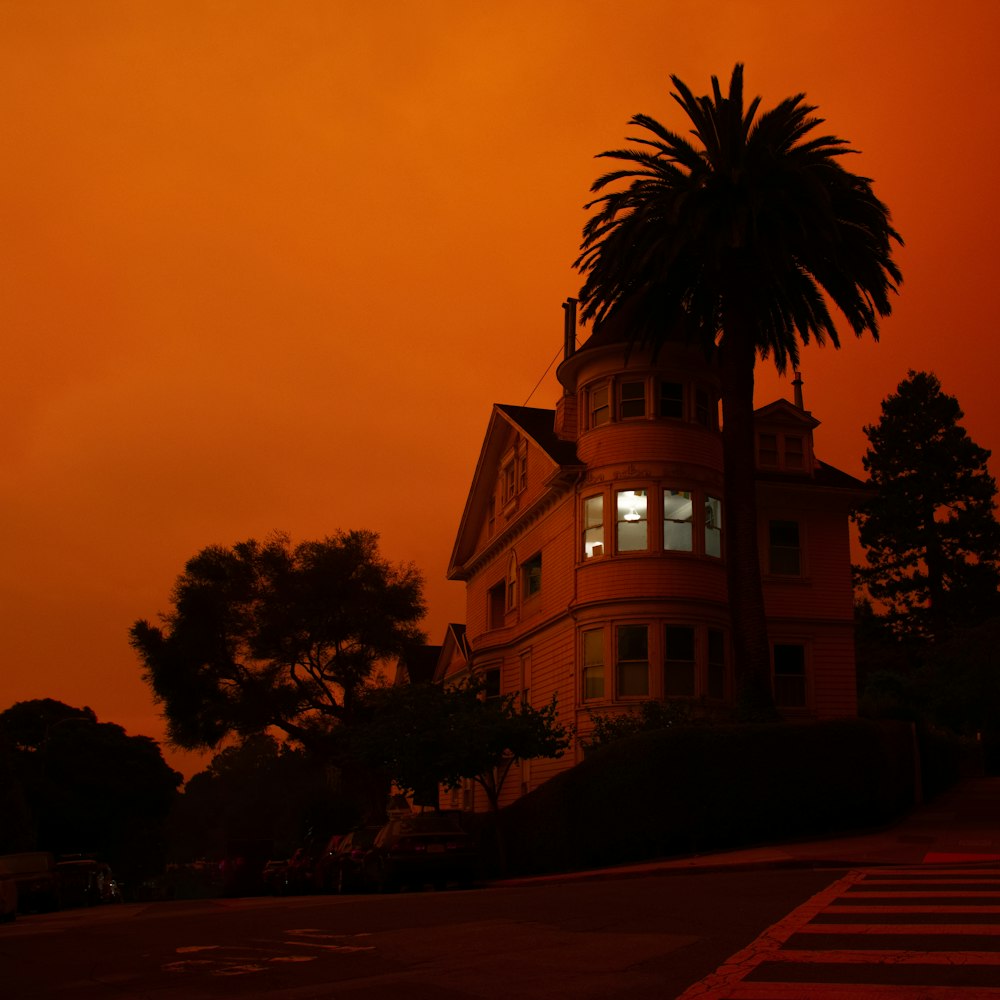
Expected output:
(781, 451)
(767, 450)
(784, 548)
(679, 662)
(491, 683)
(633, 661)
(716, 664)
(631, 400)
(789, 675)
(593, 527)
(713, 527)
(702, 412)
(531, 574)
(600, 405)
(593, 664)
(512, 583)
(632, 531)
(672, 400)
(509, 477)
(794, 455)
(677, 511)
(495, 605)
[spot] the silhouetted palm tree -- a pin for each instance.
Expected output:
(738, 243)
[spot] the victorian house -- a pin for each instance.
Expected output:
(593, 551)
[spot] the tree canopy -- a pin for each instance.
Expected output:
(426, 734)
(85, 786)
(929, 529)
(737, 242)
(274, 635)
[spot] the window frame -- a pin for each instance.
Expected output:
(777, 552)
(688, 521)
(592, 666)
(622, 404)
(641, 519)
(689, 664)
(590, 527)
(623, 663)
(531, 570)
(797, 681)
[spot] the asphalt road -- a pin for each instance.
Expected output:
(614, 938)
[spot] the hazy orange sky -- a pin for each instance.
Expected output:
(267, 265)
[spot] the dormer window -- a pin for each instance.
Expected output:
(781, 451)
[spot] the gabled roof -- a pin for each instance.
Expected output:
(538, 426)
(783, 413)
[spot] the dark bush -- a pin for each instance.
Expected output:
(679, 791)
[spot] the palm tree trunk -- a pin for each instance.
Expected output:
(751, 650)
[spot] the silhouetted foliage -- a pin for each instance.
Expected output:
(610, 727)
(423, 735)
(260, 791)
(269, 634)
(931, 538)
(88, 786)
(737, 243)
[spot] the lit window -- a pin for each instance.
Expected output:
(784, 548)
(672, 399)
(633, 661)
(713, 527)
(716, 664)
(678, 664)
(631, 400)
(532, 573)
(593, 527)
(677, 512)
(593, 664)
(600, 406)
(631, 520)
(789, 675)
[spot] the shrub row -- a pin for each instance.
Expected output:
(692, 790)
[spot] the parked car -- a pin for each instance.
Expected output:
(274, 877)
(34, 875)
(421, 849)
(8, 898)
(85, 882)
(344, 869)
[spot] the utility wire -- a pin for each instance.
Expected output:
(544, 373)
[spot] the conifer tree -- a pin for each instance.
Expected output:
(929, 529)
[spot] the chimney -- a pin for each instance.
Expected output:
(797, 383)
(569, 328)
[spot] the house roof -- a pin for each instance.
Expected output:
(506, 421)
(539, 425)
(419, 662)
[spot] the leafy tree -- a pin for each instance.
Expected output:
(274, 635)
(88, 785)
(931, 538)
(737, 243)
(424, 735)
(258, 791)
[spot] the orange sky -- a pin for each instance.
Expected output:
(268, 265)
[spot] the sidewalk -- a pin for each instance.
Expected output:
(961, 825)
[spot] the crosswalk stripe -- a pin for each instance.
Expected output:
(854, 896)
